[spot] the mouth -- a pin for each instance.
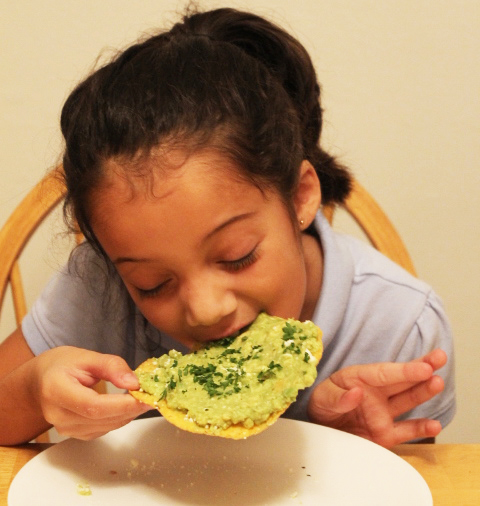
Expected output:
(229, 335)
(214, 337)
(239, 331)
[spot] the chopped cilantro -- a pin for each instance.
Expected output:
(268, 373)
(289, 331)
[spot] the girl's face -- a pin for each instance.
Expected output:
(201, 251)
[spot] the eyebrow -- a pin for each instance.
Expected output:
(222, 226)
(122, 260)
(233, 219)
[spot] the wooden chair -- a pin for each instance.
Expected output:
(18, 230)
(14, 237)
(376, 226)
(50, 191)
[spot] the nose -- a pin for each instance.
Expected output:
(207, 301)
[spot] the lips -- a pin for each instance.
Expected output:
(240, 331)
(229, 333)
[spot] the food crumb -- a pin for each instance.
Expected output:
(84, 489)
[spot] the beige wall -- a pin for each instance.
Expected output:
(401, 85)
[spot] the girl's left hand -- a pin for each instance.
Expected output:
(366, 399)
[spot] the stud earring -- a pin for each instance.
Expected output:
(302, 222)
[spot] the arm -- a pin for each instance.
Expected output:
(19, 421)
(366, 399)
(54, 389)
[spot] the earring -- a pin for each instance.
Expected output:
(302, 222)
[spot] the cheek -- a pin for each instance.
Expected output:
(165, 317)
(286, 285)
(161, 314)
(290, 297)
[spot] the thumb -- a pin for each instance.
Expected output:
(115, 370)
(329, 401)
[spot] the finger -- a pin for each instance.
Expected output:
(409, 430)
(110, 407)
(436, 359)
(114, 369)
(329, 401)
(387, 374)
(90, 431)
(83, 401)
(413, 397)
(88, 420)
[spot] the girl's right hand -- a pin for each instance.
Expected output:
(62, 385)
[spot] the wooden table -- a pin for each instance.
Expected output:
(451, 471)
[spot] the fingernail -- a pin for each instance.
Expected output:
(130, 378)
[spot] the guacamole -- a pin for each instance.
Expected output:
(238, 380)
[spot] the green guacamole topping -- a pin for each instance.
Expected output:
(238, 380)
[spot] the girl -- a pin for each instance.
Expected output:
(194, 170)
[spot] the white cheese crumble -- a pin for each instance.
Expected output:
(310, 356)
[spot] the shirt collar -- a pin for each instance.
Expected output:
(338, 273)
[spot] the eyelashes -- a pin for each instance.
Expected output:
(152, 292)
(230, 265)
(241, 263)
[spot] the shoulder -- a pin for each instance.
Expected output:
(391, 311)
(383, 291)
(81, 302)
(372, 310)
(363, 287)
(372, 269)
(373, 306)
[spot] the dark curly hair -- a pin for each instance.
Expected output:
(225, 79)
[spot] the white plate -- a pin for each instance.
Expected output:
(151, 462)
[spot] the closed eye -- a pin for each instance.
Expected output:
(241, 263)
(152, 292)
(231, 265)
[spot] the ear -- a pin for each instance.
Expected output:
(308, 195)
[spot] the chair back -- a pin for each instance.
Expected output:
(18, 230)
(376, 226)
